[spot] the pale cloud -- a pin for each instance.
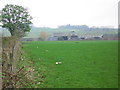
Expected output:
(51, 13)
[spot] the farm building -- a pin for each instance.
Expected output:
(54, 38)
(91, 37)
(82, 38)
(58, 36)
(27, 39)
(110, 37)
(64, 36)
(97, 37)
(74, 37)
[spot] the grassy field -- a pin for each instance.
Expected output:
(85, 64)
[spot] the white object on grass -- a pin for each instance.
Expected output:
(57, 62)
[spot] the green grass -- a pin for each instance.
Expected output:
(85, 64)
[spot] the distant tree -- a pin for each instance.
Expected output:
(16, 19)
(42, 36)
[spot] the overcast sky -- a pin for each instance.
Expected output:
(52, 13)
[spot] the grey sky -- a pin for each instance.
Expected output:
(52, 13)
